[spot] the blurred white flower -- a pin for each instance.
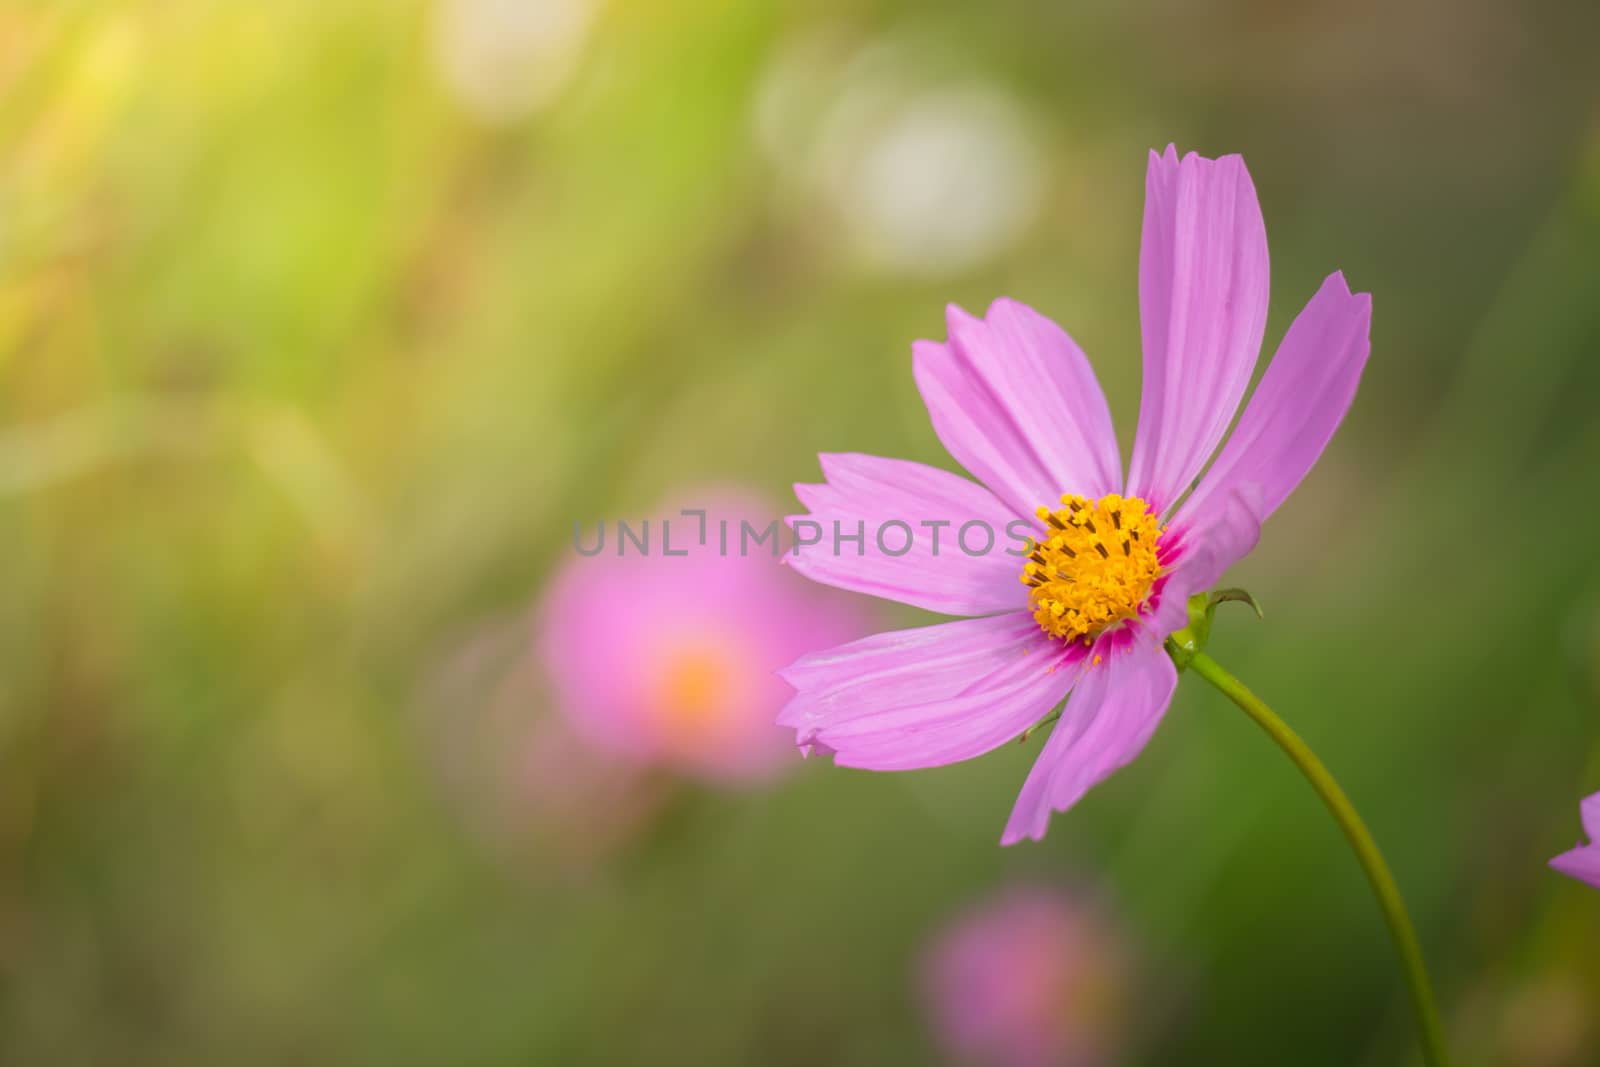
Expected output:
(501, 60)
(944, 182)
(924, 170)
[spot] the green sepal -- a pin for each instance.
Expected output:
(1222, 596)
(1183, 645)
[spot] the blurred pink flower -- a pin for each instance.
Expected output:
(1583, 862)
(671, 661)
(1031, 977)
(1015, 401)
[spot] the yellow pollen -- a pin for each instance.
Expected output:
(1093, 565)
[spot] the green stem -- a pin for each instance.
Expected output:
(1429, 1031)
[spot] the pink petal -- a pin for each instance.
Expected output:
(1014, 400)
(1299, 404)
(863, 493)
(930, 696)
(1108, 720)
(1582, 863)
(1203, 281)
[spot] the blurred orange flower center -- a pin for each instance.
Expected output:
(697, 690)
(1093, 566)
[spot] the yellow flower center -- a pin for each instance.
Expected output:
(1094, 565)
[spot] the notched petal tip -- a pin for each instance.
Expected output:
(806, 741)
(1338, 285)
(815, 748)
(957, 318)
(1191, 164)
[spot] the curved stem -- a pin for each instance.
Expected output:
(1384, 888)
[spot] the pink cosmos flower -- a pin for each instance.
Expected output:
(669, 661)
(1030, 978)
(1583, 862)
(1014, 400)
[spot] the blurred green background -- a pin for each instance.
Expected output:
(321, 323)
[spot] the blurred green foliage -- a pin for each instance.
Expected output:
(309, 359)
